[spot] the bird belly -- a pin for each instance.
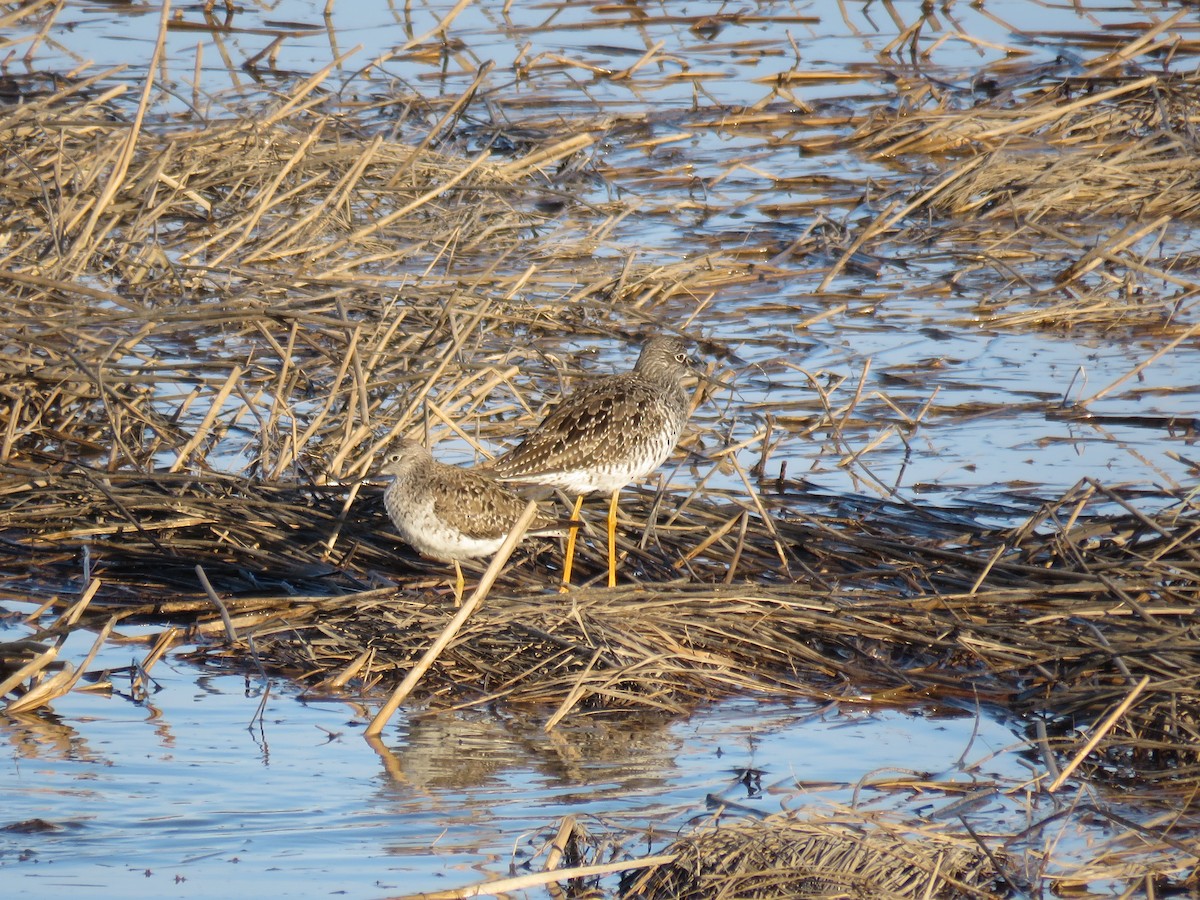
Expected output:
(429, 535)
(439, 542)
(606, 479)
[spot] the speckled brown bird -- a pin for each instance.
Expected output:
(612, 431)
(450, 513)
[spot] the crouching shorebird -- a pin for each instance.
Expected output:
(448, 513)
(612, 431)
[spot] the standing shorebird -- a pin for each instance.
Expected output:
(448, 513)
(610, 432)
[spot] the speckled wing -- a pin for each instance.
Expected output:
(594, 426)
(474, 505)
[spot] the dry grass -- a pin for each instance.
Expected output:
(1058, 619)
(213, 327)
(223, 307)
(1036, 171)
(782, 857)
(921, 846)
(1058, 626)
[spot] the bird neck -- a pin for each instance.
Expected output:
(660, 374)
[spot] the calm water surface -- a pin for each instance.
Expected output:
(183, 796)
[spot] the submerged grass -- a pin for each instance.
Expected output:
(214, 325)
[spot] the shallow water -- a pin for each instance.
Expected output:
(186, 793)
(183, 796)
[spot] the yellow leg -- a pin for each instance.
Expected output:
(569, 556)
(459, 584)
(612, 539)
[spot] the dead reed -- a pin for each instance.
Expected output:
(1058, 619)
(235, 318)
(208, 298)
(1034, 164)
(215, 322)
(910, 839)
(783, 857)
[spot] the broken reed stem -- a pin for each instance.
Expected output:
(523, 166)
(423, 391)
(558, 846)
(723, 529)
(209, 418)
(383, 221)
(62, 682)
(28, 670)
(573, 695)
(304, 89)
(880, 223)
(1139, 45)
(165, 640)
(463, 100)
(1028, 125)
(439, 28)
(455, 624)
(1162, 351)
(230, 631)
(987, 568)
(71, 616)
(356, 665)
(24, 10)
(1117, 243)
(260, 209)
(1098, 734)
(538, 879)
(737, 551)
